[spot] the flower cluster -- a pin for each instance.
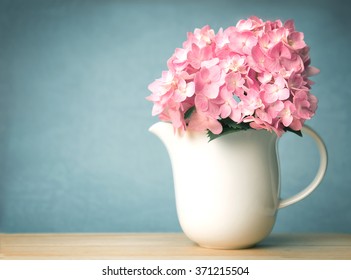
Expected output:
(255, 73)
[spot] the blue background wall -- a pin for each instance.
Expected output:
(75, 153)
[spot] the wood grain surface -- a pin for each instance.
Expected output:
(168, 246)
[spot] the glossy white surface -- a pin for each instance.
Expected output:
(227, 190)
(323, 163)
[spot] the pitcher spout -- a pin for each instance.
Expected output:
(165, 132)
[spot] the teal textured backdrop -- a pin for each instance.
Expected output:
(75, 151)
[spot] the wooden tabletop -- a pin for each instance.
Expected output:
(168, 246)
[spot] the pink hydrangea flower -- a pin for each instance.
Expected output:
(242, 42)
(295, 40)
(207, 106)
(178, 61)
(184, 90)
(235, 82)
(209, 80)
(197, 55)
(201, 37)
(256, 72)
(230, 107)
(286, 115)
(202, 122)
(275, 91)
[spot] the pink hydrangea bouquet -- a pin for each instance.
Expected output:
(254, 75)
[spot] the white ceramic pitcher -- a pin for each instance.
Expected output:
(228, 190)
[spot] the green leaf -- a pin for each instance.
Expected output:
(189, 112)
(225, 131)
(297, 132)
(232, 124)
(229, 126)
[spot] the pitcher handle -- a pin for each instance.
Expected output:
(323, 162)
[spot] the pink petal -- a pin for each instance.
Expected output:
(283, 94)
(312, 71)
(295, 40)
(201, 102)
(214, 126)
(225, 111)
